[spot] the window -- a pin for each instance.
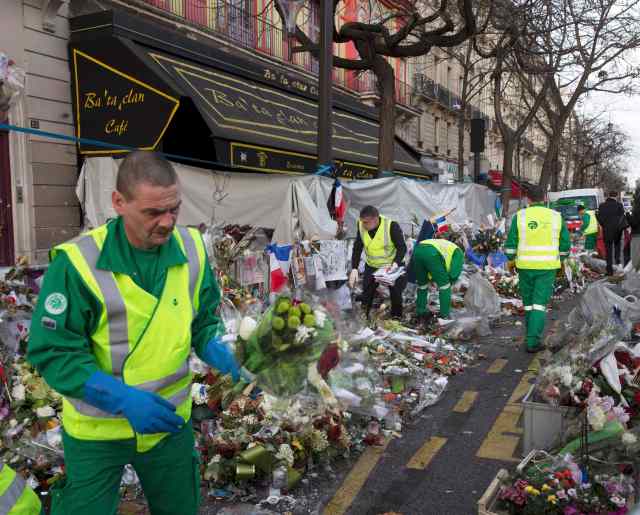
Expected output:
(436, 134)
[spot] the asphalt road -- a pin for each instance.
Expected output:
(445, 461)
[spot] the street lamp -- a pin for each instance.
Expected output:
(290, 10)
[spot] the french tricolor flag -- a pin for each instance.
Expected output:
(341, 205)
(279, 260)
(440, 224)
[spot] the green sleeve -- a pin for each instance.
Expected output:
(59, 346)
(511, 246)
(565, 241)
(207, 324)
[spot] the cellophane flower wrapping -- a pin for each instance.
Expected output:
(289, 336)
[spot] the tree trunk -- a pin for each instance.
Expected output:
(507, 174)
(385, 77)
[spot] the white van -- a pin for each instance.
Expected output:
(567, 202)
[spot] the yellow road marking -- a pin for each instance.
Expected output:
(352, 484)
(426, 453)
(497, 366)
(465, 403)
(503, 438)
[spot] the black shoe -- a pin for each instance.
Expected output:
(534, 349)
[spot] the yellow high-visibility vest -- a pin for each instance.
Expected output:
(143, 341)
(16, 498)
(446, 248)
(379, 250)
(592, 228)
(538, 238)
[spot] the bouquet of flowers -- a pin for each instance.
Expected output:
(279, 349)
(559, 486)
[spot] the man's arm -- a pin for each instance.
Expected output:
(66, 314)
(207, 324)
(511, 246)
(357, 251)
(397, 237)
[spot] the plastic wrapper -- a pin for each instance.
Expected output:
(631, 283)
(464, 328)
(597, 265)
(599, 301)
(358, 386)
(12, 79)
(430, 391)
(481, 298)
(289, 337)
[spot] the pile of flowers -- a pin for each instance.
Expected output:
(562, 487)
(486, 241)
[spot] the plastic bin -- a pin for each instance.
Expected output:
(543, 424)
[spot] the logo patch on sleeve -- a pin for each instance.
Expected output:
(55, 304)
(49, 323)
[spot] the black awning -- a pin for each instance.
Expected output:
(132, 95)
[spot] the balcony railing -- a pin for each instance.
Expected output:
(238, 21)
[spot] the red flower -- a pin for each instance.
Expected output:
(623, 358)
(636, 397)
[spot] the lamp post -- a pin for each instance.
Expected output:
(290, 10)
(325, 91)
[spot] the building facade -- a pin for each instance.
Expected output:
(43, 170)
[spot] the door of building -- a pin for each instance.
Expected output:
(7, 257)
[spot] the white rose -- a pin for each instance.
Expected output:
(199, 393)
(247, 326)
(629, 439)
(45, 411)
(18, 392)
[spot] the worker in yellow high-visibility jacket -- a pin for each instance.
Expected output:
(538, 241)
(589, 227)
(16, 498)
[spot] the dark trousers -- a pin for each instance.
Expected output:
(612, 248)
(369, 287)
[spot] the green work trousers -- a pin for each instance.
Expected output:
(590, 241)
(428, 264)
(536, 288)
(169, 474)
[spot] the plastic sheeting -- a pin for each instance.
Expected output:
(289, 204)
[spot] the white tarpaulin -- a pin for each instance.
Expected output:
(291, 204)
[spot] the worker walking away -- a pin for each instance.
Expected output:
(120, 309)
(589, 227)
(539, 241)
(16, 497)
(440, 261)
(384, 246)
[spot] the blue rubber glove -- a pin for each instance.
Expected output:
(219, 355)
(146, 412)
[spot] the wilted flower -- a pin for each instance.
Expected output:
(285, 454)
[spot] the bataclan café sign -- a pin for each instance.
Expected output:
(256, 125)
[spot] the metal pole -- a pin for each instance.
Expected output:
(476, 166)
(325, 103)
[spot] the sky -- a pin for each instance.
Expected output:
(623, 111)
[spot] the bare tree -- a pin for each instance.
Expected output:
(520, 80)
(587, 43)
(475, 78)
(600, 152)
(410, 29)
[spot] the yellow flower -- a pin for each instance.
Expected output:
(532, 491)
(552, 499)
(546, 488)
